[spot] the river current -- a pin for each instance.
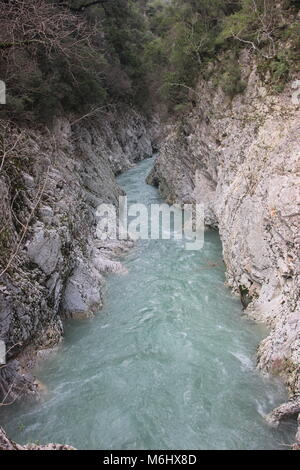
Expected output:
(168, 363)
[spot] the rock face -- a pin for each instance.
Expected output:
(241, 159)
(8, 444)
(55, 264)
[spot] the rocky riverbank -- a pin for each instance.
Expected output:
(240, 158)
(52, 264)
(7, 444)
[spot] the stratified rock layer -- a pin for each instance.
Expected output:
(56, 269)
(241, 159)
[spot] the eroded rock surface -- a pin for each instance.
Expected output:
(8, 444)
(52, 263)
(241, 159)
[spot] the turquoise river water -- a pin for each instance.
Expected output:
(168, 363)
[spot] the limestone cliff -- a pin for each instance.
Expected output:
(52, 264)
(241, 158)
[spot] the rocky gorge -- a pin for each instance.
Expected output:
(237, 155)
(240, 158)
(52, 264)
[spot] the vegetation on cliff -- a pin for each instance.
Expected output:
(76, 58)
(187, 35)
(70, 56)
(73, 57)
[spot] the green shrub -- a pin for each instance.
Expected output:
(279, 69)
(181, 108)
(231, 81)
(97, 57)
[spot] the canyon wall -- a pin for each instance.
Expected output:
(240, 157)
(52, 263)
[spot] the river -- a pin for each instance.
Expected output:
(168, 363)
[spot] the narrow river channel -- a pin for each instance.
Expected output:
(168, 363)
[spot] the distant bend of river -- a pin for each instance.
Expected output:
(168, 363)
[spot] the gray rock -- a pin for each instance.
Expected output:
(46, 211)
(7, 444)
(82, 295)
(59, 273)
(45, 250)
(243, 164)
(28, 181)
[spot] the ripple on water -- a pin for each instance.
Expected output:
(167, 364)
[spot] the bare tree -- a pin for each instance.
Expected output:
(261, 31)
(37, 22)
(31, 29)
